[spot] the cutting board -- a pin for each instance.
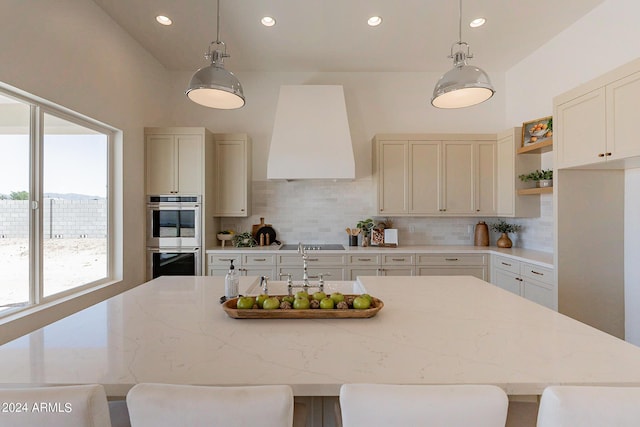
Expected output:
(256, 227)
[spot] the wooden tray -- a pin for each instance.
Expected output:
(230, 307)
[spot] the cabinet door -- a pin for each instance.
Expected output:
(508, 281)
(393, 177)
(539, 292)
(458, 171)
(580, 130)
(485, 188)
(425, 177)
(231, 179)
(161, 165)
(623, 117)
(505, 182)
(189, 163)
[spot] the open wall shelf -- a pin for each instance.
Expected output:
(529, 191)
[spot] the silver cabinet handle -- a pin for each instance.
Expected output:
(398, 259)
(227, 259)
(535, 272)
(364, 259)
(504, 263)
(259, 259)
(451, 259)
(313, 259)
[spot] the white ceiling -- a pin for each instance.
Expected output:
(332, 35)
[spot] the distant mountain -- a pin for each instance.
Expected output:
(71, 196)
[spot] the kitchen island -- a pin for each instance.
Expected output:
(432, 330)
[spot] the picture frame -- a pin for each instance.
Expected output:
(536, 131)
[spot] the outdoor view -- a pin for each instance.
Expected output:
(74, 208)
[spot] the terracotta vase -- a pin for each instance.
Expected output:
(482, 234)
(504, 241)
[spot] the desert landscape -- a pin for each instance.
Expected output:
(67, 263)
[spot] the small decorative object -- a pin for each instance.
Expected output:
(503, 227)
(481, 234)
(391, 237)
(543, 178)
(353, 236)
(244, 240)
(537, 130)
(225, 236)
(365, 225)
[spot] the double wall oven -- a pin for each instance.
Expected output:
(174, 235)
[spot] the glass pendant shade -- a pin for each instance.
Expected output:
(462, 86)
(215, 87)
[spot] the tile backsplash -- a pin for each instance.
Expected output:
(319, 212)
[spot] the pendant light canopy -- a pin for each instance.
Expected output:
(213, 86)
(464, 85)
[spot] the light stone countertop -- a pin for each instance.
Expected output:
(544, 259)
(432, 330)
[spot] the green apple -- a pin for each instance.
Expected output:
(301, 304)
(319, 296)
(367, 296)
(361, 303)
(337, 297)
(326, 303)
(260, 299)
(244, 303)
(271, 303)
(302, 294)
(288, 298)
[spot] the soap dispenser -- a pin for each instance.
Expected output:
(231, 282)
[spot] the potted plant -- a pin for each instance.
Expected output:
(543, 178)
(365, 225)
(503, 227)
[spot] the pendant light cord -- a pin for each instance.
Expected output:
(459, 23)
(218, 24)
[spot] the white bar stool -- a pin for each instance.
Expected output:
(589, 406)
(64, 406)
(167, 405)
(421, 405)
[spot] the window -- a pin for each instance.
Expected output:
(55, 204)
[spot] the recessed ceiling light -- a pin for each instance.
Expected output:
(164, 20)
(268, 21)
(374, 21)
(478, 22)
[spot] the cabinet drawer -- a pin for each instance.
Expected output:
(535, 272)
(398, 259)
(224, 259)
(452, 259)
(507, 264)
(479, 271)
(364, 259)
(259, 259)
(314, 260)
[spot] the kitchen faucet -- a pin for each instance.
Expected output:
(305, 274)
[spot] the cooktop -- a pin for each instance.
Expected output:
(313, 247)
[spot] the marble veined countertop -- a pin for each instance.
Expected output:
(432, 330)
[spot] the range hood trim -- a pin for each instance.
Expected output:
(311, 138)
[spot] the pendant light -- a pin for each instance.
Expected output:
(464, 85)
(213, 86)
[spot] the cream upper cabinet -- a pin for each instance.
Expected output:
(596, 123)
(174, 163)
(425, 177)
(580, 132)
(232, 191)
(510, 166)
(393, 177)
(435, 175)
(623, 117)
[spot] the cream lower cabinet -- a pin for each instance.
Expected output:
(380, 264)
(530, 281)
(597, 122)
(452, 265)
(254, 264)
(232, 191)
(435, 175)
(331, 266)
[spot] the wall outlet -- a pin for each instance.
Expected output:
(412, 229)
(469, 229)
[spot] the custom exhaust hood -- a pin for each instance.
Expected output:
(311, 137)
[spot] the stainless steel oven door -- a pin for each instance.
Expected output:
(173, 262)
(173, 226)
